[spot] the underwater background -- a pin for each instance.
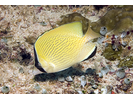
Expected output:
(110, 71)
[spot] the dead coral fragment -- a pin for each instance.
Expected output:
(116, 19)
(111, 54)
(75, 17)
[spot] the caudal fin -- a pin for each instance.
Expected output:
(90, 34)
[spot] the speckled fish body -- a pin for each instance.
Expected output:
(62, 47)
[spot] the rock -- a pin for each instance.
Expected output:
(103, 30)
(126, 81)
(100, 75)
(61, 79)
(123, 34)
(80, 92)
(105, 70)
(92, 82)
(5, 89)
(37, 87)
(21, 70)
(124, 44)
(69, 79)
(94, 86)
(83, 81)
(96, 91)
(100, 39)
(43, 23)
(109, 89)
(44, 91)
(120, 73)
(104, 90)
(106, 44)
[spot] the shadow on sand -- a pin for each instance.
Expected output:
(68, 72)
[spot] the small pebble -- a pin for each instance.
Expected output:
(94, 86)
(114, 47)
(83, 81)
(43, 23)
(69, 79)
(92, 82)
(44, 91)
(100, 75)
(105, 70)
(80, 92)
(5, 89)
(116, 36)
(123, 34)
(120, 73)
(100, 39)
(37, 87)
(124, 43)
(21, 70)
(104, 90)
(61, 79)
(4, 40)
(103, 30)
(109, 89)
(106, 44)
(127, 81)
(96, 91)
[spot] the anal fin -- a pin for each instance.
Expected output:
(88, 49)
(93, 54)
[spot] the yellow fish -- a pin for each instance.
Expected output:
(62, 47)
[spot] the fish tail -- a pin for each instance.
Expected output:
(90, 34)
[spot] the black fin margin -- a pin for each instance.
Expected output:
(37, 63)
(93, 54)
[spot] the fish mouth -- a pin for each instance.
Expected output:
(37, 64)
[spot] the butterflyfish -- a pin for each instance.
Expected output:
(62, 47)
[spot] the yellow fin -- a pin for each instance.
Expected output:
(48, 66)
(90, 34)
(74, 28)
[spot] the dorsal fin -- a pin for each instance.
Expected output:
(74, 28)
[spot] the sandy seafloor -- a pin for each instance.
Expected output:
(19, 28)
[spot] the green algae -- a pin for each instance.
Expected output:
(75, 17)
(111, 54)
(118, 19)
(127, 61)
